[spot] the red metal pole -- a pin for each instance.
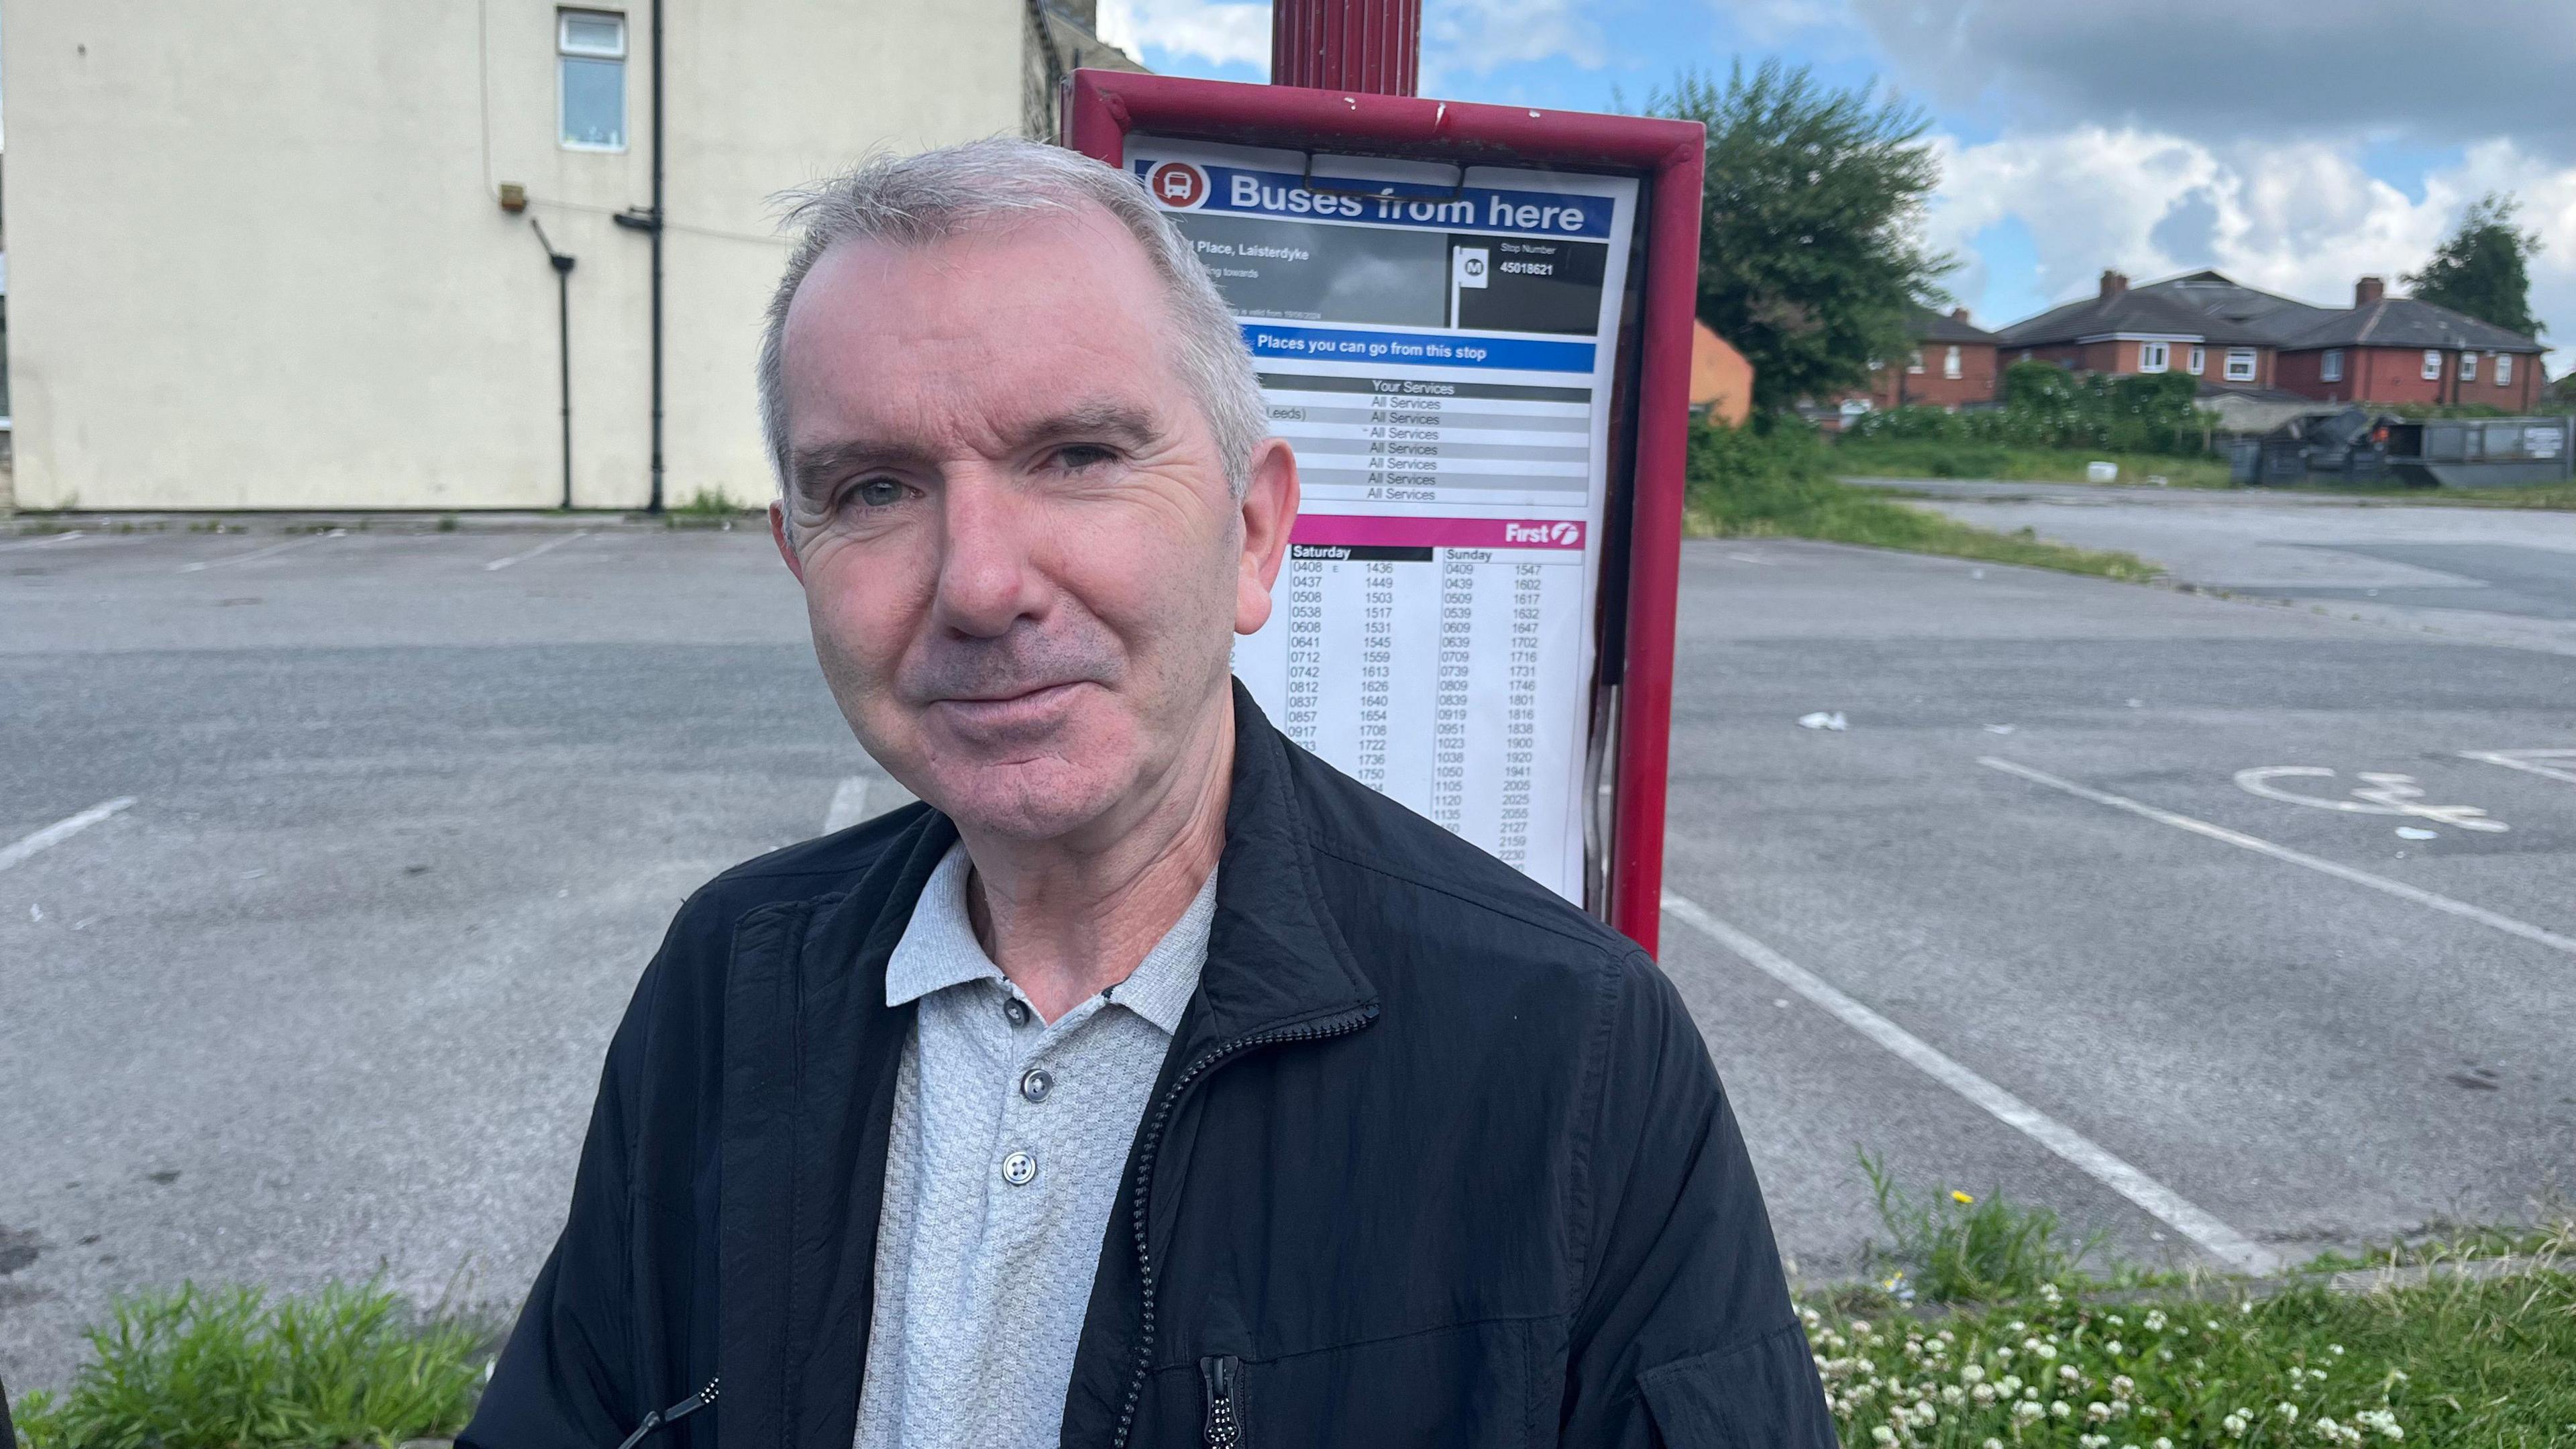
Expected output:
(1368, 46)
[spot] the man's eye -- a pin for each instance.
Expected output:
(1074, 457)
(878, 493)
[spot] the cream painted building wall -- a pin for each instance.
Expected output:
(257, 257)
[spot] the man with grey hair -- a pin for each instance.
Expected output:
(1150, 1082)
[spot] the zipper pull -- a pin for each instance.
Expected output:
(1224, 1377)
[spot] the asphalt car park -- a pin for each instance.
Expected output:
(2234, 931)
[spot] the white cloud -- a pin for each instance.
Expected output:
(2299, 217)
(1478, 36)
(1220, 32)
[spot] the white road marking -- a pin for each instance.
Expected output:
(2560, 764)
(2091, 1158)
(2398, 888)
(549, 547)
(41, 542)
(276, 548)
(2384, 794)
(60, 831)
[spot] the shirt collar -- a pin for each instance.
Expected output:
(939, 950)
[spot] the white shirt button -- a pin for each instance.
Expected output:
(1018, 1168)
(1016, 1011)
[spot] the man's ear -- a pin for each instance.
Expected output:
(778, 535)
(1269, 510)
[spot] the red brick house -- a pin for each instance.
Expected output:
(1953, 362)
(2240, 339)
(2167, 327)
(2399, 350)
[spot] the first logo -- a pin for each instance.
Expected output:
(1177, 184)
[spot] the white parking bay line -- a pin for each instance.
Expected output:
(2089, 1157)
(276, 548)
(2538, 935)
(2548, 764)
(502, 563)
(51, 538)
(60, 831)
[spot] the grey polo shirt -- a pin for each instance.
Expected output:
(1009, 1138)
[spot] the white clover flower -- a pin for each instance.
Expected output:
(2010, 1383)
(2287, 1411)
(2336, 1349)
(1984, 1394)
(1913, 1348)
(2161, 1444)
(2122, 1386)
(2097, 1412)
(1972, 1374)
(2027, 1411)
(2015, 1326)
(1860, 1328)
(1883, 1434)
(2235, 1424)
(2046, 1350)
(1992, 1444)
(2212, 1324)
(2031, 1393)
(2003, 1354)
(1946, 1336)
(2092, 1441)
(1953, 1395)
(2115, 1348)
(2066, 1373)
(1810, 1317)
(2155, 1320)
(2247, 1306)
(2060, 1409)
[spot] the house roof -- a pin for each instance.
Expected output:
(2133, 311)
(1932, 326)
(2262, 316)
(2406, 322)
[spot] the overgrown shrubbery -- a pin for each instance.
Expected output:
(1774, 477)
(2046, 406)
(230, 1369)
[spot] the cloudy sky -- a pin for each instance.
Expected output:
(2295, 146)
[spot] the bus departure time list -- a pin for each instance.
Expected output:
(1434, 346)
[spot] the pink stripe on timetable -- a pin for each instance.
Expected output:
(1439, 532)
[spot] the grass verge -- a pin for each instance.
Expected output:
(231, 1369)
(1901, 458)
(1776, 481)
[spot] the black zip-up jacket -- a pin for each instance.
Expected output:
(1435, 1159)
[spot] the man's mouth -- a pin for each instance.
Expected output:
(1034, 706)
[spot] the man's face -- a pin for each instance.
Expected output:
(1020, 554)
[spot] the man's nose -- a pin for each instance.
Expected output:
(987, 579)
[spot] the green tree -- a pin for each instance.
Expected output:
(2482, 269)
(1811, 261)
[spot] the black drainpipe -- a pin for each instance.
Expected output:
(649, 222)
(563, 347)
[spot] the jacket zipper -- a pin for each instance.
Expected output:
(1223, 1375)
(1150, 1151)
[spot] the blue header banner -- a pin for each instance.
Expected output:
(1431, 349)
(1190, 186)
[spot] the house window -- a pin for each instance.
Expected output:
(590, 79)
(2432, 364)
(2468, 367)
(2240, 364)
(2154, 356)
(2199, 360)
(2330, 368)
(2504, 369)
(1914, 361)
(1950, 363)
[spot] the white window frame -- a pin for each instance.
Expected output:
(2432, 364)
(1950, 365)
(566, 48)
(2468, 367)
(2244, 356)
(1914, 362)
(2199, 360)
(2330, 366)
(2504, 369)
(2155, 357)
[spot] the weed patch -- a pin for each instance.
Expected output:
(231, 1369)
(1957, 1246)
(1901, 458)
(1774, 479)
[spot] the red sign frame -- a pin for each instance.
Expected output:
(1100, 108)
